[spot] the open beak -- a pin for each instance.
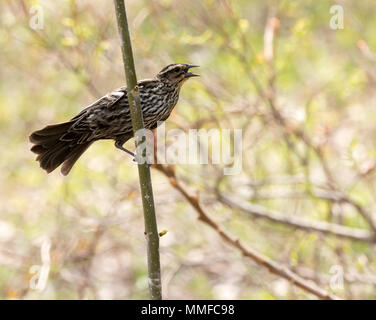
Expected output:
(190, 74)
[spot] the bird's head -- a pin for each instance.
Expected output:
(176, 74)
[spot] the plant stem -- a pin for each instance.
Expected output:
(151, 231)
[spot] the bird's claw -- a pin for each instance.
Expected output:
(148, 165)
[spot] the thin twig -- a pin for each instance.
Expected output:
(303, 224)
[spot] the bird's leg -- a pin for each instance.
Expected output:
(119, 145)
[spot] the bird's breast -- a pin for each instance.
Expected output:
(157, 105)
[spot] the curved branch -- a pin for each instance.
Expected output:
(252, 254)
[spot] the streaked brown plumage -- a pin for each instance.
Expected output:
(109, 118)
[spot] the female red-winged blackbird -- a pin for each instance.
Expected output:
(109, 118)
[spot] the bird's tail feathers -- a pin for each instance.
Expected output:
(52, 150)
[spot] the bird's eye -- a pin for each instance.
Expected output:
(177, 69)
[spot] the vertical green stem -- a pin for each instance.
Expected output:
(151, 231)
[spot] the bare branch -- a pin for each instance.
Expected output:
(301, 223)
(252, 254)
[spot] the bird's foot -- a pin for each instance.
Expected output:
(135, 159)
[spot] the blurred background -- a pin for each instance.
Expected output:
(303, 93)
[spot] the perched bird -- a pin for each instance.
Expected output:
(109, 118)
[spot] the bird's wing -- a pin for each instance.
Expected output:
(110, 100)
(107, 117)
(102, 119)
(107, 101)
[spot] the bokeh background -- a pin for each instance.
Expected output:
(304, 96)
